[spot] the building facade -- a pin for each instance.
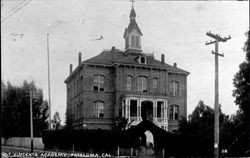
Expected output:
(127, 84)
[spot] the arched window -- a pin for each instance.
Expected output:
(98, 83)
(99, 109)
(174, 112)
(128, 83)
(137, 41)
(143, 60)
(142, 84)
(174, 88)
(133, 40)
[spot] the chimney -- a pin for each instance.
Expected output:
(175, 64)
(70, 69)
(162, 58)
(79, 58)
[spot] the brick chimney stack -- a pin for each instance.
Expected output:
(163, 58)
(175, 64)
(79, 58)
(70, 69)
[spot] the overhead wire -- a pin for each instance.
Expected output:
(8, 16)
(12, 8)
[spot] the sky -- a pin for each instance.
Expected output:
(174, 28)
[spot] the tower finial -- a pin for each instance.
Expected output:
(133, 1)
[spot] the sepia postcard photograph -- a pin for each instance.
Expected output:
(125, 78)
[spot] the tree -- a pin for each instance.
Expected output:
(56, 121)
(68, 121)
(15, 102)
(241, 82)
(201, 121)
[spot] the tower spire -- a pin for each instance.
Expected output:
(132, 34)
(133, 1)
(132, 12)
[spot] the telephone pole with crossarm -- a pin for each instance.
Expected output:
(217, 39)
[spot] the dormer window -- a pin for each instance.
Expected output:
(143, 60)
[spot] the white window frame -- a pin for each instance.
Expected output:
(129, 83)
(99, 82)
(155, 83)
(174, 110)
(174, 88)
(99, 109)
(142, 83)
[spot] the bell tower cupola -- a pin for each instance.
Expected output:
(132, 34)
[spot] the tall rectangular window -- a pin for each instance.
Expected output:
(128, 85)
(139, 84)
(142, 84)
(160, 109)
(99, 109)
(155, 82)
(174, 112)
(174, 88)
(171, 111)
(133, 108)
(101, 83)
(98, 83)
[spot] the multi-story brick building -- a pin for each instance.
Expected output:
(130, 84)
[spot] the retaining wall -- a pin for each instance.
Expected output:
(23, 142)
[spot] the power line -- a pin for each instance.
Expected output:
(15, 11)
(12, 8)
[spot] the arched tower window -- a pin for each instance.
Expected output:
(133, 40)
(137, 41)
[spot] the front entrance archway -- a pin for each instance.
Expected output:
(147, 110)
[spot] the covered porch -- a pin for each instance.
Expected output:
(153, 108)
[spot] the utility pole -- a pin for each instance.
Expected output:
(217, 39)
(49, 82)
(31, 122)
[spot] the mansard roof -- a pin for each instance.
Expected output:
(119, 57)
